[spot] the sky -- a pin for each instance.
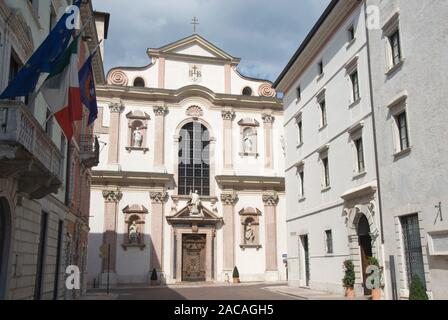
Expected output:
(263, 33)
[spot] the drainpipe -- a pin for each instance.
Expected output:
(380, 206)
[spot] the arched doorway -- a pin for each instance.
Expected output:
(5, 236)
(194, 159)
(365, 245)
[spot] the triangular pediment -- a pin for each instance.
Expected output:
(195, 46)
(184, 215)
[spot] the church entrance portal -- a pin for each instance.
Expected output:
(193, 257)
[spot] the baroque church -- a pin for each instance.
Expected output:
(191, 174)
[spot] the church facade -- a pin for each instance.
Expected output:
(191, 174)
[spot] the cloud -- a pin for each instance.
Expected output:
(265, 34)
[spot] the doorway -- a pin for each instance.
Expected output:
(365, 245)
(306, 258)
(193, 257)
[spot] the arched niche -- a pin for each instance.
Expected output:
(134, 226)
(137, 131)
(250, 228)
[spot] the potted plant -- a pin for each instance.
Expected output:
(236, 275)
(154, 278)
(376, 292)
(349, 279)
(417, 290)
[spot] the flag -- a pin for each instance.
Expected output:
(87, 88)
(43, 60)
(61, 90)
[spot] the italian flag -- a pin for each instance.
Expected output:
(61, 90)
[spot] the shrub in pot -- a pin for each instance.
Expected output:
(154, 278)
(236, 275)
(417, 290)
(349, 278)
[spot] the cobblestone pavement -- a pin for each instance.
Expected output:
(259, 291)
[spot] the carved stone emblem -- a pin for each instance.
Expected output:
(195, 73)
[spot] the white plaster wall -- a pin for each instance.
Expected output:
(96, 224)
(177, 75)
(321, 211)
(133, 264)
(238, 83)
(416, 182)
(195, 50)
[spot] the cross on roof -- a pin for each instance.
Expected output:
(195, 23)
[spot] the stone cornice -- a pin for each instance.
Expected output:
(251, 182)
(156, 95)
(125, 178)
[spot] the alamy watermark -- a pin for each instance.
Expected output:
(73, 278)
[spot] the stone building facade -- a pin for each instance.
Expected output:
(409, 81)
(43, 178)
(362, 111)
(190, 181)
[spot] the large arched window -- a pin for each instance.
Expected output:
(194, 159)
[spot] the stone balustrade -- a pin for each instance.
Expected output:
(27, 152)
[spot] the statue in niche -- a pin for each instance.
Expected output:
(133, 233)
(195, 202)
(248, 144)
(249, 234)
(137, 138)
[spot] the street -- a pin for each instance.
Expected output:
(207, 292)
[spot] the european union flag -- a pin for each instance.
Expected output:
(87, 88)
(43, 60)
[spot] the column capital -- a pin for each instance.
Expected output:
(228, 115)
(112, 195)
(160, 110)
(270, 199)
(158, 196)
(116, 107)
(229, 199)
(267, 118)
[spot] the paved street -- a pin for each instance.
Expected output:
(207, 292)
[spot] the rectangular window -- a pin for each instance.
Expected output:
(58, 260)
(351, 33)
(302, 183)
(323, 113)
(329, 241)
(395, 47)
(300, 131)
(41, 254)
(326, 172)
(320, 67)
(360, 155)
(299, 92)
(402, 125)
(413, 248)
(355, 85)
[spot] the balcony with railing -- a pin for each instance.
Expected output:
(27, 153)
(89, 150)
